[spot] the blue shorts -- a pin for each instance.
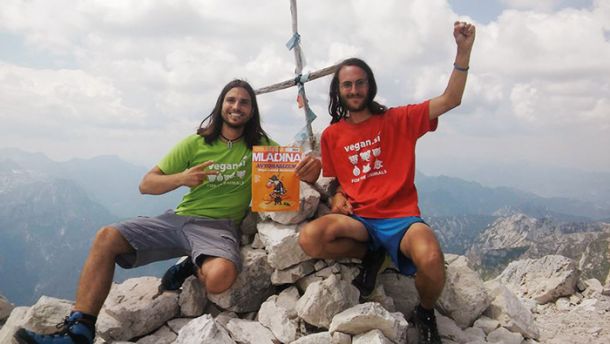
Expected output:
(387, 234)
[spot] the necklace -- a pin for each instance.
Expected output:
(229, 141)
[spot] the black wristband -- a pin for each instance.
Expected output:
(461, 69)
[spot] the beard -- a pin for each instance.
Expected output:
(233, 125)
(346, 105)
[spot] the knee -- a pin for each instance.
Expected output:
(219, 276)
(310, 240)
(431, 261)
(109, 239)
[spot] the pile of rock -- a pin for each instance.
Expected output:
(5, 310)
(284, 296)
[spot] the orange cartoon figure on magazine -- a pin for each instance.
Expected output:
(278, 192)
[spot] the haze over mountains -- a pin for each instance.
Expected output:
(50, 211)
(107, 180)
(542, 180)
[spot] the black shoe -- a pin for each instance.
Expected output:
(426, 326)
(175, 276)
(367, 278)
(73, 331)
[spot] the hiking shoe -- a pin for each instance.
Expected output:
(176, 275)
(73, 331)
(426, 327)
(367, 278)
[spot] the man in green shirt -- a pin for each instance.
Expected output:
(216, 164)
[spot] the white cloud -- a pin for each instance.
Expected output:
(553, 66)
(540, 5)
(54, 98)
(524, 97)
(141, 74)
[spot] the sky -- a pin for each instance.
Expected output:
(83, 78)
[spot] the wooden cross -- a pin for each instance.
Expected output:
(299, 79)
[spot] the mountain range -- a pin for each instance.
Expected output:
(541, 179)
(50, 211)
(518, 236)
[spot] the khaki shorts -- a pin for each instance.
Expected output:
(170, 235)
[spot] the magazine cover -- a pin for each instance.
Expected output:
(275, 185)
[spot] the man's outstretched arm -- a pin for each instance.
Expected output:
(155, 182)
(464, 34)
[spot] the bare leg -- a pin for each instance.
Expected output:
(334, 236)
(98, 271)
(217, 274)
(420, 244)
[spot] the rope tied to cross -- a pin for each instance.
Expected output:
(305, 135)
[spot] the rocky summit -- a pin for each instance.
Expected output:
(284, 296)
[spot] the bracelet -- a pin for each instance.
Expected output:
(461, 69)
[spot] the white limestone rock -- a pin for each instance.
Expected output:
(292, 274)
(46, 313)
(252, 287)
(281, 320)
(282, 244)
(5, 309)
(250, 332)
(163, 335)
(592, 288)
(510, 312)
(203, 330)
(588, 305)
(486, 324)
(318, 276)
(504, 336)
(326, 186)
(133, 309)
(343, 272)
(223, 318)
(402, 290)
(257, 243)
(319, 264)
(323, 300)
(368, 316)
(543, 280)
(315, 338)
(192, 299)
(371, 337)
(475, 334)
(379, 295)
(464, 297)
(177, 324)
(563, 304)
(606, 289)
(288, 299)
(340, 338)
(16, 319)
(449, 330)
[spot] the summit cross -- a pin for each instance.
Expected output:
(299, 80)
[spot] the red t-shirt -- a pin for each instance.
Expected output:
(374, 161)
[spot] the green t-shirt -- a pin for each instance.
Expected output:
(223, 196)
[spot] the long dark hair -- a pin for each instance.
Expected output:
(336, 108)
(253, 132)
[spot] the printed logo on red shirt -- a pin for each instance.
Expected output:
(366, 160)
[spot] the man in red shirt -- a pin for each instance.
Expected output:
(370, 150)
